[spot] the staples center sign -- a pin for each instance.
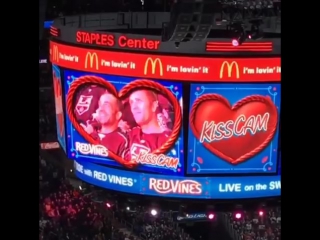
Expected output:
(167, 67)
(110, 40)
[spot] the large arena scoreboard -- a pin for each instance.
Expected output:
(171, 126)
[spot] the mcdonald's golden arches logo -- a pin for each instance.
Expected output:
(91, 58)
(230, 67)
(153, 63)
(55, 53)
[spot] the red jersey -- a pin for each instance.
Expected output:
(127, 115)
(115, 141)
(87, 102)
(140, 142)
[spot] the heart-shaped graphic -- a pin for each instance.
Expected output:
(122, 94)
(215, 109)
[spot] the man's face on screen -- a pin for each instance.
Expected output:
(108, 109)
(142, 106)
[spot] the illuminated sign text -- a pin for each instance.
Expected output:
(110, 40)
(160, 160)
(212, 131)
(177, 68)
(178, 186)
(163, 186)
(86, 148)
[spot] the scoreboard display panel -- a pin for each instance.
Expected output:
(171, 126)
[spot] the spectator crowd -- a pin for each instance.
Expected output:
(148, 227)
(47, 117)
(67, 213)
(257, 225)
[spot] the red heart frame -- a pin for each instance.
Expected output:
(134, 85)
(253, 98)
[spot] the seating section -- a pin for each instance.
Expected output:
(254, 226)
(69, 213)
(55, 9)
(160, 227)
(47, 118)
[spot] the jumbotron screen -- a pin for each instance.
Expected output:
(125, 122)
(233, 128)
(204, 128)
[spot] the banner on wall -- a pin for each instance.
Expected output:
(233, 128)
(123, 121)
(178, 186)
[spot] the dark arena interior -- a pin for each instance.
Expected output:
(160, 120)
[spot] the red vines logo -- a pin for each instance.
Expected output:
(91, 149)
(234, 133)
(163, 186)
(140, 150)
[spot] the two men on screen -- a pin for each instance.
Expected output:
(150, 133)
